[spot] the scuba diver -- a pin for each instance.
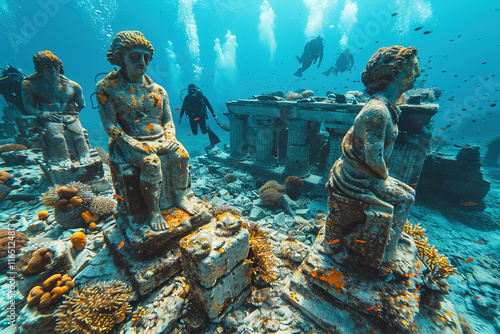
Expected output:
(11, 87)
(312, 51)
(345, 61)
(195, 106)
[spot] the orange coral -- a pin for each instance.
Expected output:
(78, 240)
(39, 260)
(50, 292)
(156, 99)
(43, 215)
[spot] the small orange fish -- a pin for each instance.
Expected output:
(226, 193)
(370, 308)
(413, 184)
(180, 165)
(468, 203)
(197, 119)
(118, 196)
(480, 240)
(177, 109)
(333, 241)
(477, 297)
(239, 162)
(137, 121)
(148, 234)
(206, 198)
(121, 245)
(216, 194)
(300, 228)
(418, 287)
(290, 98)
(361, 241)
(150, 127)
(51, 104)
(180, 177)
(291, 146)
(469, 260)
(443, 129)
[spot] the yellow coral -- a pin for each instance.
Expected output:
(78, 240)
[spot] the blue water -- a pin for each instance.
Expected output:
(79, 32)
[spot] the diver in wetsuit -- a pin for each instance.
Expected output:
(195, 106)
(345, 61)
(11, 87)
(312, 51)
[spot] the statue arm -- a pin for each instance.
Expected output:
(79, 99)
(29, 99)
(168, 122)
(374, 140)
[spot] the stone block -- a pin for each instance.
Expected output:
(257, 213)
(304, 213)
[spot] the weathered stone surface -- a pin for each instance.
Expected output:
(257, 213)
(82, 173)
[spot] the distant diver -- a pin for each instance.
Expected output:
(11, 87)
(195, 106)
(345, 61)
(312, 51)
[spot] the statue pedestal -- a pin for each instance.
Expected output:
(214, 264)
(360, 299)
(82, 173)
(150, 257)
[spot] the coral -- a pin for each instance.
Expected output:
(78, 240)
(12, 147)
(230, 177)
(271, 195)
(39, 260)
(437, 265)
(50, 292)
(18, 238)
(4, 191)
(103, 155)
(294, 181)
(92, 226)
(94, 309)
(4, 177)
(218, 210)
(43, 215)
(261, 252)
(102, 206)
(67, 192)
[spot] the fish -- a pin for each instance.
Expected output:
(137, 121)
(121, 245)
(484, 62)
(394, 14)
(427, 32)
(226, 194)
(206, 198)
(469, 260)
(413, 184)
(418, 28)
(290, 98)
(493, 105)
(118, 196)
(180, 165)
(443, 129)
(481, 240)
(370, 308)
(333, 241)
(177, 109)
(361, 241)
(468, 203)
(50, 104)
(197, 119)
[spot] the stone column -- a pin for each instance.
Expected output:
(237, 136)
(297, 155)
(335, 143)
(264, 141)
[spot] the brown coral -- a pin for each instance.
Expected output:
(294, 181)
(230, 177)
(67, 192)
(17, 238)
(12, 147)
(218, 210)
(41, 258)
(4, 177)
(50, 292)
(271, 195)
(78, 240)
(95, 309)
(261, 253)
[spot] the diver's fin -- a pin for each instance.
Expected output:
(298, 73)
(327, 72)
(212, 136)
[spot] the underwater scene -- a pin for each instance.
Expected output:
(249, 166)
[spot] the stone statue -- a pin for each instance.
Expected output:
(135, 113)
(362, 171)
(56, 101)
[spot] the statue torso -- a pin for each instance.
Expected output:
(53, 96)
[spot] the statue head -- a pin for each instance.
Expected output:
(126, 41)
(48, 61)
(387, 64)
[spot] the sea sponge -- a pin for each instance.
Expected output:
(271, 195)
(50, 292)
(102, 205)
(67, 192)
(78, 240)
(221, 209)
(230, 177)
(18, 238)
(4, 191)
(293, 185)
(12, 147)
(94, 309)
(76, 201)
(92, 226)
(4, 177)
(41, 258)
(43, 215)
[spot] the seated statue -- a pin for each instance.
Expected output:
(135, 113)
(56, 101)
(361, 173)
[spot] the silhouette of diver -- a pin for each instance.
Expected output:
(11, 87)
(345, 61)
(312, 51)
(195, 106)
